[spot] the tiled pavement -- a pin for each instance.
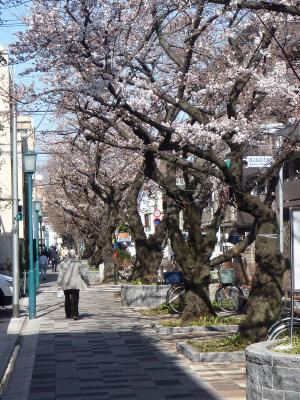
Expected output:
(110, 353)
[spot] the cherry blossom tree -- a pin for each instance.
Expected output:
(189, 84)
(98, 188)
(68, 199)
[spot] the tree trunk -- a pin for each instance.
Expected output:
(148, 250)
(109, 224)
(193, 257)
(197, 301)
(148, 258)
(264, 302)
(108, 260)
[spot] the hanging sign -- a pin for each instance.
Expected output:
(258, 161)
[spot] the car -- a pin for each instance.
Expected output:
(6, 290)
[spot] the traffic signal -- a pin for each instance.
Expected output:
(20, 213)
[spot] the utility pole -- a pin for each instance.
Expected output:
(280, 201)
(15, 202)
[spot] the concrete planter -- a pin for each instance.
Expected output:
(144, 295)
(168, 330)
(271, 375)
(96, 277)
(220, 357)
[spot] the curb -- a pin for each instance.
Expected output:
(220, 357)
(14, 328)
(162, 330)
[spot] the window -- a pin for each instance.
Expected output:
(286, 170)
(295, 168)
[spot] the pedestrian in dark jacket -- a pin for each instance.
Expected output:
(43, 263)
(54, 258)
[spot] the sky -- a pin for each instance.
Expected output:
(11, 22)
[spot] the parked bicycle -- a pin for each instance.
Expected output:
(282, 328)
(229, 296)
(123, 273)
(175, 297)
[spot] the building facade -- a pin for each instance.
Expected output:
(25, 142)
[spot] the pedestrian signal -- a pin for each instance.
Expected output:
(20, 213)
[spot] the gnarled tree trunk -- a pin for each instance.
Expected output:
(193, 257)
(264, 302)
(197, 301)
(148, 250)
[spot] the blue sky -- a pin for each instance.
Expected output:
(11, 22)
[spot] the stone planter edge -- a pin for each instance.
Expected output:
(271, 375)
(262, 353)
(193, 355)
(167, 330)
(143, 296)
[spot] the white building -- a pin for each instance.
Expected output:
(151, 210)
(25, 142)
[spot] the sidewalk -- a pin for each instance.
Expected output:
(109, 353)
(10, 329)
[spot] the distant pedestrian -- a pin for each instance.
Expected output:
(54, 258)
(43, 263)
(72, 277)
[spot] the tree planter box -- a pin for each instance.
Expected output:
(271, 375)
(96, 277)
(167, 330)
(144, 295)
(220, 357)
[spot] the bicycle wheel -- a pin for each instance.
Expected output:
(229, 298)
(121, 276)
(282, 329)
(175, 298)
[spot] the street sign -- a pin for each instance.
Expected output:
(156, 213)
(258, 161)
(156, 221)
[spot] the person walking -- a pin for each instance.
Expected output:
(72, 277)
(54, 258)
(43, 263)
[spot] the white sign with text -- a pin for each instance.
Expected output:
(258, 161)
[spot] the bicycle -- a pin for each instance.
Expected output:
(175, 297)
(282, 328)
(124, 274)
(229, 297)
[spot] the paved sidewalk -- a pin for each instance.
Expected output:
(109, 353)
(9, 335)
